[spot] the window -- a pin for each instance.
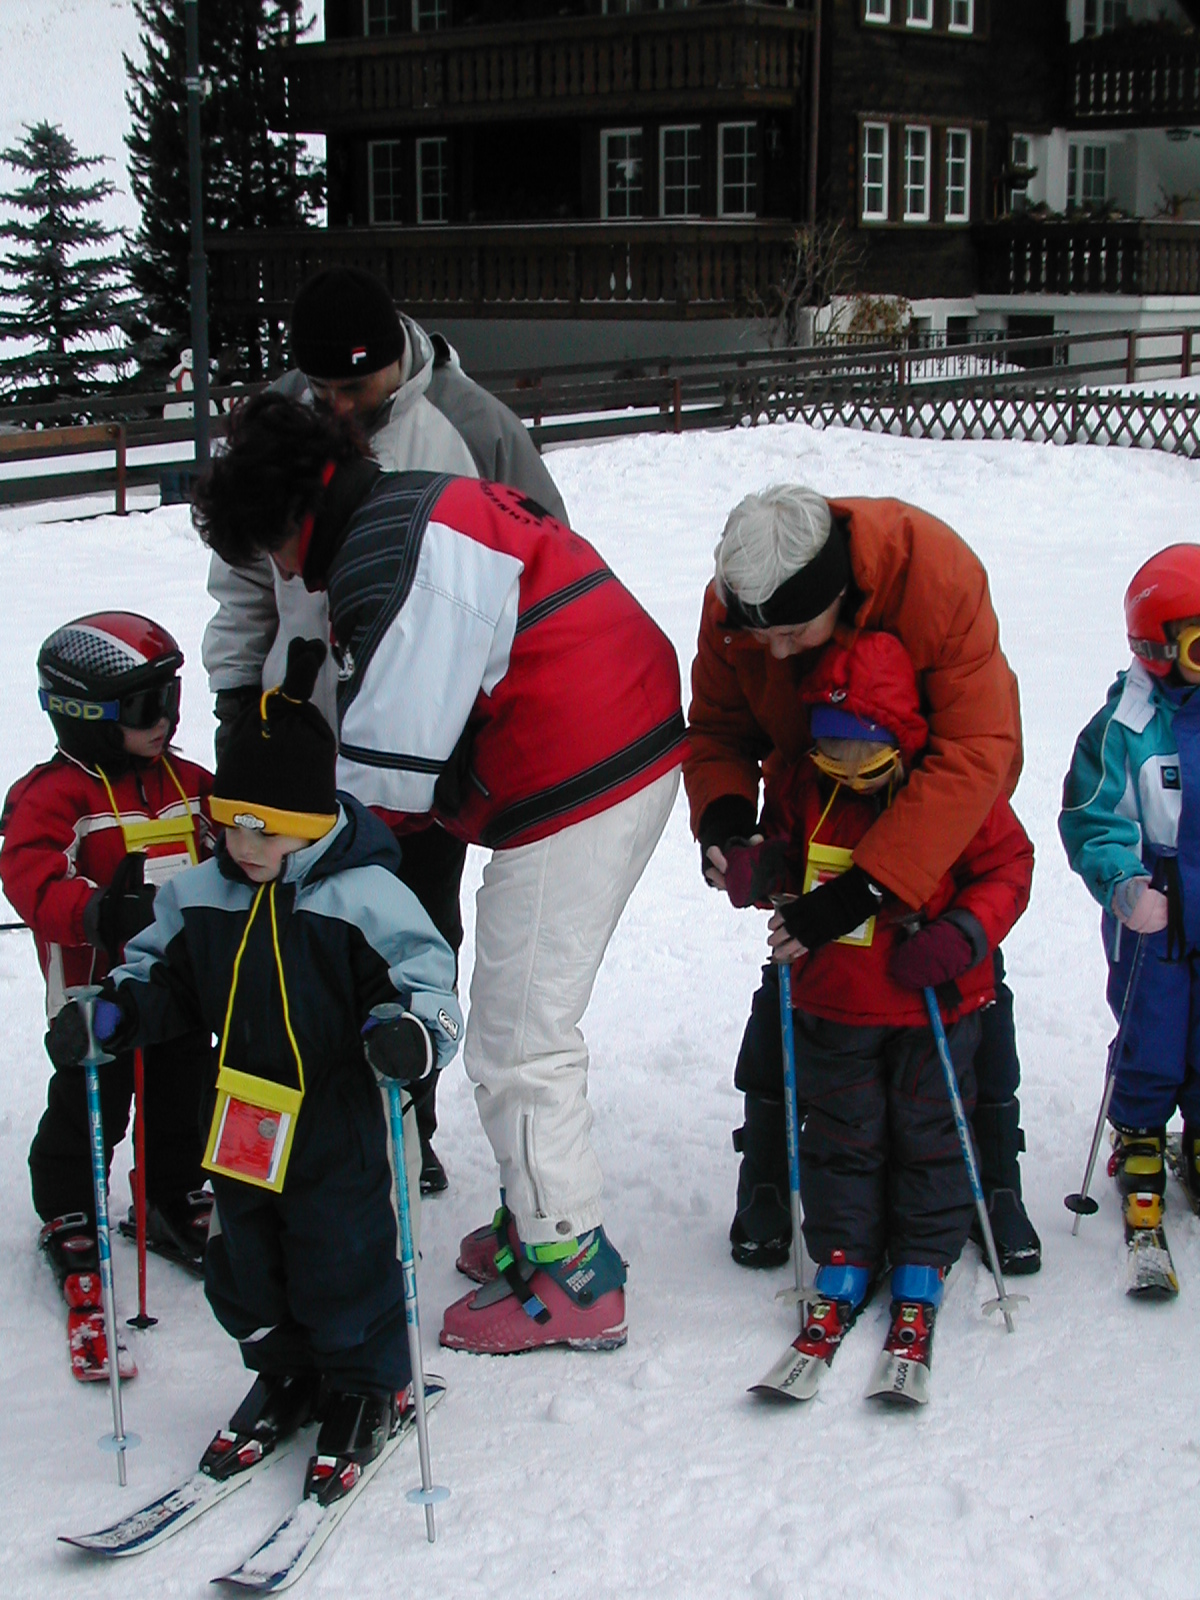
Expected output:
(916, 174)
(958, 174)
(736, 195)
(430, 15)
(385, 16)
(433, 180)
(1022, 164)
(1087, 174)
(875, 172)
(878, 11)
(920, 13)
(962, 16)
(387, 189)
(679, 164)
(1104, 16)
(621, 172)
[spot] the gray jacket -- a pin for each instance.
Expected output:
(439, 420)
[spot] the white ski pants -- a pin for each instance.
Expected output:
(544, 915)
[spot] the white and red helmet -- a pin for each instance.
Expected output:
(1165, 589)
(102, 670)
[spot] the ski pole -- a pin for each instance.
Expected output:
(118, 1440)
(142, 1320)
(1082, 1203)
(791, 1102)
(1004, 1301)
(429, 1494)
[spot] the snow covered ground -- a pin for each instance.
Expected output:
(1061, 1461)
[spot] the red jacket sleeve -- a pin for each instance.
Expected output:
(37, 857)
(994, 873)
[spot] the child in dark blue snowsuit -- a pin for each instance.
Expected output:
(280, 948)
(1131, 827)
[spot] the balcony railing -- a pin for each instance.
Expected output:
(1135, 79)
(685, 270)
(726, 56)
(1138, 258)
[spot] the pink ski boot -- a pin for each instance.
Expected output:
(577, 1298)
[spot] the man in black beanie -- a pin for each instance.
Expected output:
(360, 358)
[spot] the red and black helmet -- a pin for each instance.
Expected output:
(105, 670)
(1166, 589)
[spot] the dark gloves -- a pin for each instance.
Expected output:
(832, 910)
(399, 1046)
(229, 706)
(114, 1022)
(755, 873)
(115, 914)
(730, 817)
(938, 953)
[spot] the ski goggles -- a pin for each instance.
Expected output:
(1185, 650)
(142, 709)
(860, 778)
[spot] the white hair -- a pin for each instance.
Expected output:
(767, 538)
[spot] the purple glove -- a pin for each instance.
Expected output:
(755, 872)
(936, 955)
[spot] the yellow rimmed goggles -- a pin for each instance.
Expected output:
(254, 1119)
(1184, 649)
(864, 776)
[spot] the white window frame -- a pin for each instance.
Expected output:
(959, 217)
(910, 130)
(689, 128)
(912, 20)
(397, 167)
(962, 27)
(1093, 150)
(883, 157)
(750, 156)
(607, 134)
(394, 6)
(877, 11)
(443, 193)
(438, 15)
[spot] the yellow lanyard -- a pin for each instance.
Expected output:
(237, 966)
(148, 832)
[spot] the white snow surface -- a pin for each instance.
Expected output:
(1063, 1460)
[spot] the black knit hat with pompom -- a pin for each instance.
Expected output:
(278, 773)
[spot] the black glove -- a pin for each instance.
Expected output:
(730, 817)
(832, 910)
(115, 914)
(229, 706)
(114, 1022)
(399, 1047)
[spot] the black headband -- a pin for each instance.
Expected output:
(803, 596)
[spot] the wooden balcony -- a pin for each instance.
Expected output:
(601, 270)
(1134, 257)
(1135, 79)
(724, 56)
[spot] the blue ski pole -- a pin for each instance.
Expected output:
(118, 1440)
(1004, 1301)
(429, 1494)
(1082, 1203)
(791, 1102)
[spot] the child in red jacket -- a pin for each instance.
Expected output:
(882, 1175)
(87, 838)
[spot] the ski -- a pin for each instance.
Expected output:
(798, 1372)
(1149, 1270)
(902, 1372)
(182, 1504)
(87, 1338)
(290, 1547)
(1178, 1168)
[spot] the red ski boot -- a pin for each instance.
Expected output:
(477, 1250)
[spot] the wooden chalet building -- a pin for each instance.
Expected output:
(569, 179)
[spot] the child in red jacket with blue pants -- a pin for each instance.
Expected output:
(88, 836)
(882, 1175)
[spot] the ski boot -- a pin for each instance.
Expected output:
(571, 1293)
(69, 1245)
(1138, 1166)
(902, 1371)
(277, 1405)
(1189, 1165)
(761, 1232)
(176, 1229)
(840, 1292)
(354, 1431)
(1000, 1140)
(433, 1173)
(477, 1250)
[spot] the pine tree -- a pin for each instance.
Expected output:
(65, 288)
(252, 178)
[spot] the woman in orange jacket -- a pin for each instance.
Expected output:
(793, 571)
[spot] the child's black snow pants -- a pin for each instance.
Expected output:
(881, 1167)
